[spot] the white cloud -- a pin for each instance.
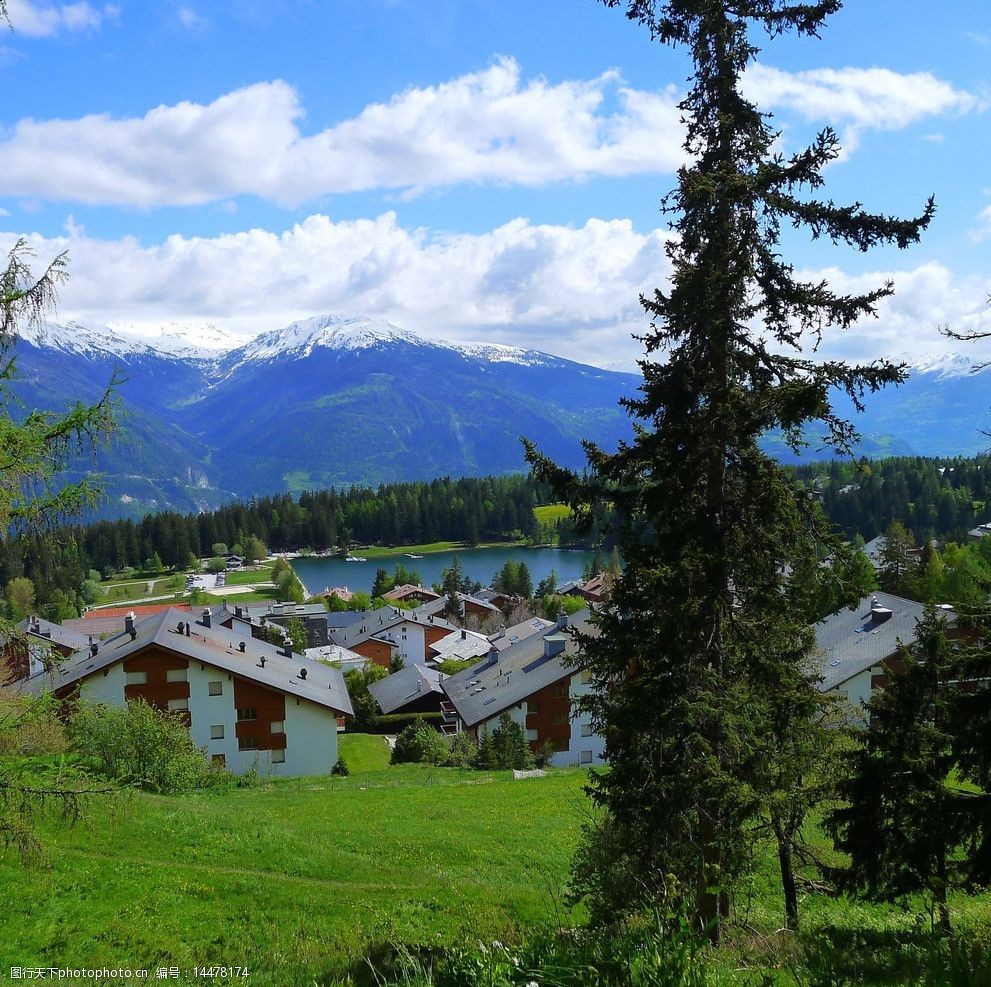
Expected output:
(488, 126)
(485, 127)
(857, 99)
(188, 17)
(571, 291)
(44, 20)
(983, 230)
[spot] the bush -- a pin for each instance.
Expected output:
(30, 727)
(216, 564)
(505, 748)
(340, 768)
(138, 745)
(395, 722)
(544, 754)
(420, 744)
(463, 751)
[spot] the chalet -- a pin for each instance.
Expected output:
(410, 594)
(383, 634)
(596, 589)
(537, 682)
(414, 689)
(313, 616)
(459, 645)
(247, 703)
(976, 534)
(34, 644)
(858, 647)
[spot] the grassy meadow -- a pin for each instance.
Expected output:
(300, 879)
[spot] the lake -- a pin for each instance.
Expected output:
(477, 563)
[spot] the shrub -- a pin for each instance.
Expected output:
(544, 754)
(395, 722)
(420, 744)
(29, 727)
(463, 751)
(138, 745)
(216, 564)
(340, 768)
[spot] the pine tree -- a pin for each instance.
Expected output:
(898, 570)
(900, 825)
(701, 632)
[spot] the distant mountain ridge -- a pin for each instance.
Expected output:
(325, 401)
(340, 399)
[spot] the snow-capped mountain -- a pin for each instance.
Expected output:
(339, 399)
(323, 401)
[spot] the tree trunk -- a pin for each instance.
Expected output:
(939, 898)
(787, 879)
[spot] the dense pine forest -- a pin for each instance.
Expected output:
(932, 498)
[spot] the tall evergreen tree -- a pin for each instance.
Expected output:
(901, 822)
(701, 632)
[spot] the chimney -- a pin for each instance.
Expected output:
(241, 647)
(302, 673)
(464, 635)
(237, 612)
(187, 628)
(179, 628)
(93, 647)
(493, 655)
(261, 662)
(879, 614)
(129, 624)
(554, 644)
(562, 620)
(206, 617)
(287, 650)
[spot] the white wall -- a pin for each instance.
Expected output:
(857, 692)
(579, 744)
(109, 688)
(311, 730)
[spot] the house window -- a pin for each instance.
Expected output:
(215, 688)
(247, 743)
(586, 757)
(278, 757)
(277, 727)
(217, 732)
(532, 707)
(179, 704)
(175, 675)
(561, 690)
(219, 758)
(585, 678)
(247, 713)
(560, 719)
(136, 678)
(586, 729)
(560, 745)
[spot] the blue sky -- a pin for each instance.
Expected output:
(474, 169)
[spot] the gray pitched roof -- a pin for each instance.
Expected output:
(402, 687)
(56, 633)
(506, 678)
(376, 623)
(873, 550)
(215, 646)
(852, 641)
(506, 637)
(461, 644)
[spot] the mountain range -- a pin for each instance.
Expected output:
(338, 400)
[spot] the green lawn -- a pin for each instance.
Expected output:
(363, 752)
(255, 596)
(247, 577)
(299, 879)
(550, 513)
(133, 590)
(294, 878)
(378, 552)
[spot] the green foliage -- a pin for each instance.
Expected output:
(296, 632)
(365, 708)
(463, 751)
(908, 822)
(419, 743)
(340, 768)
(514, 580)
(700, 669)
(451, 666)
(90, 592)
(219, 548)
(20, 596)
(394, 722)
(216, 564)
(552, 605)
(140, 746)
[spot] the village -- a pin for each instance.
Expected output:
(253, 700)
